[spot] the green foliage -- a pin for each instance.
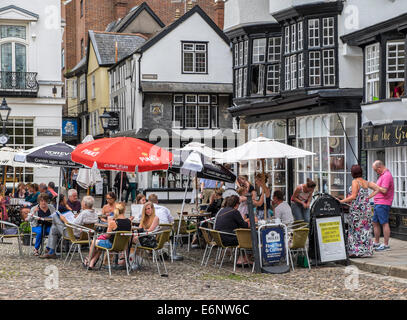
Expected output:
(25, 227)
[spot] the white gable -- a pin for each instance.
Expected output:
(16, 14)
(164, 58)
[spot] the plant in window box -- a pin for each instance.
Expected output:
(25, 230)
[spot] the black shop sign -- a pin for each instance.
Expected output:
(114, 122)
(384, 136)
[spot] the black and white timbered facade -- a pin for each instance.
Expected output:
(288, 86)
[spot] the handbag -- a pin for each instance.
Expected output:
(148, 241)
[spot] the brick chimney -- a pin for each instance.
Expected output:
(220, 13)
(189, 5)
(120, 8)
(177, 14)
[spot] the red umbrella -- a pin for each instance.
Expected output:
(122, 154)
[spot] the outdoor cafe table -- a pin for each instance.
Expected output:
(45, 219)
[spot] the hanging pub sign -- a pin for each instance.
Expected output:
(384, 136)
(331, 242)
(114, 122)
(69, 127)
(273, 245)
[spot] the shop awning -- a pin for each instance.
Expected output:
(186, 87)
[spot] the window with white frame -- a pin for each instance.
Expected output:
(313, 33)
(314, 68)
(259, 50)
(273, 78)
(195, 111)
(237, 84)
(82, 88)
(21, 136)
(287, 73)
(300, 35)
(330, 166)
(194, 57)
(241, 53)
(236, 46)
(240, 69)
(397, 165)
(329, 67)
(287, 39)
(246, 52)
(274, 49)
(293, 38)
(372, 59)
(300, 70)
(293, 61)
(245, 82)
(74, 84)
(395, 68)
(240, 92)
(328, 32)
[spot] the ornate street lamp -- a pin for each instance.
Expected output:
(104, 119)
(4, 114)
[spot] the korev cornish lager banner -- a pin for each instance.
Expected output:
(330, 239)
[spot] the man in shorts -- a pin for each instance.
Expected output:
(383, 201)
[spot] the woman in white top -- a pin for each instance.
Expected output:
(301, 200)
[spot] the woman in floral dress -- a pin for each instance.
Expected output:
(360, 242)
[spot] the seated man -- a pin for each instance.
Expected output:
(215, 202)
(161, 212)
(73, 201)
(88, 215)
(282, 210)
(51, 189)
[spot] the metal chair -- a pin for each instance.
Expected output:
(8, 236)
(120, 243)
(76, 244)
(218, 240)
(298, 244)
(244, 237)
(163, 236)
(168, 226)
(210, 243)
(183, 231)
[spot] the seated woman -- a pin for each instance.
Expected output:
(21, 192)
(42, 210)
(149, 221)
(32, 197)
(215, 202)
(116, 223)
(108, 209)
(63, 204)
(243, 209)
(228, 219)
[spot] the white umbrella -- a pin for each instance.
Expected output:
(202, 149)
(262, 148)
(88, 177)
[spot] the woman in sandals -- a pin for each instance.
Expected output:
(360, 242)
(42, 210)
(116, 223)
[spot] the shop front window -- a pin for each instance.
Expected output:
(334, 152)
(396, 162)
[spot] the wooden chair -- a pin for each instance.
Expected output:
(298, 244)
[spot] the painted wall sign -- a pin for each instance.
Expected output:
(384, 136)
(48, 132)
(149, 76)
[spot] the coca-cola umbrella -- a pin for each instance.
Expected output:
(123, 154)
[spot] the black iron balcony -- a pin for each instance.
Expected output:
(18, 83)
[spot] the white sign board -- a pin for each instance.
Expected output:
(99, 188)
(330, 239)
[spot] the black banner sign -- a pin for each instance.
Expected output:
(114, 122)
(384, 136)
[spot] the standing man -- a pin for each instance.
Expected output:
(383, 201)
(207, 188)
(132, 179)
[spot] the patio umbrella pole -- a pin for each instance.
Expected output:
(59, 187)
(255, 245)
(174, 251)
(121, 183)
(14, 180)
(264, 191)
(196, 194)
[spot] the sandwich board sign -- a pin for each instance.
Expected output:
(273, 244)
(331, 240)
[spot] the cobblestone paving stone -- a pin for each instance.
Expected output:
(25, 278)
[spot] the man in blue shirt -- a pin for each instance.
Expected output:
(207, 188)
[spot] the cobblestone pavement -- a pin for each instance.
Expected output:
(28, 278)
